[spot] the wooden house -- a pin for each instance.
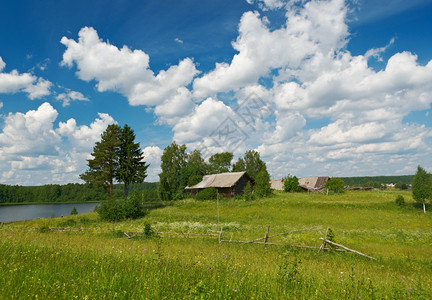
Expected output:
(227, 184)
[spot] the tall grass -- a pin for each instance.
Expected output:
(98, 263)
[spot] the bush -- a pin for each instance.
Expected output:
(207, 194)
(119, 209)
(291, 184)
(74, 211)
(148, 231)
(400, 200)
(336, 185)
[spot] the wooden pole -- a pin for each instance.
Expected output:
(217, 205)
(324, 241)
(266, 235)
(347, 249)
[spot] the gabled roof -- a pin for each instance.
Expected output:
(313, 183)
(277, 184)
(222, 180)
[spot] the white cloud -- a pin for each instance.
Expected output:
(123, 70)
(33, 152)
(173, 108)
(205, 118)
(314, 76)
(30, 134)
(268, 4)
(70, 96)
(318, 27)
(83, 138)
(14, 82)
(152, 156)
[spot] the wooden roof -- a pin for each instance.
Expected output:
(222, 180)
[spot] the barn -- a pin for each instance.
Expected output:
(312, 184)
(227, 184)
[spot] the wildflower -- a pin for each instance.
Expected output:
(234, 290)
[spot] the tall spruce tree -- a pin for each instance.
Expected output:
(105, 163)
(132, 167)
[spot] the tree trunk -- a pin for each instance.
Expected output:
(125, 190)
(424, 207)
(111, 189)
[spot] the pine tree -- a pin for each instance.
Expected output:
(104, 165)
(132, 168)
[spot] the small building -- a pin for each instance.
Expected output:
(227, 184)
(277, 184)
(313, 184)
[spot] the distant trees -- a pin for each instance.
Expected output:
(422, 187)
(401, 186)
(291, 184)
(116, 157)
(375, 185)
(336, 185)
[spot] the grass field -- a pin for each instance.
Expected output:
(100, 262)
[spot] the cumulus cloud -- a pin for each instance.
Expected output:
(152, 156)
(318, 27)
(30, 134)
(33, 151)
(14, 82)
(124, 70)
(314, 77)
(70, 96)
(268, 4)
(83, 138)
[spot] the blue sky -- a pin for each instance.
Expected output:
(344, 87)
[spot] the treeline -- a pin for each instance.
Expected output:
(361, 181)
(72, 192)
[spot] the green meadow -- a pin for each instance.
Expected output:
(186, 260)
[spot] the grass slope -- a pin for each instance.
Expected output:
(101, 263)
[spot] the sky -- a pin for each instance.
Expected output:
(319, 87)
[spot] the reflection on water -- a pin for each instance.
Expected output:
(11, 213)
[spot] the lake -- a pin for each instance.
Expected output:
(11, 213)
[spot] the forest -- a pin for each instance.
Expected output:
(71, 192)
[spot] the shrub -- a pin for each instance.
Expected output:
(291, 184)
(336, 185)
(400, 200)
(118, 209)
(148, 231)
(74, 211)
(207, 194)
